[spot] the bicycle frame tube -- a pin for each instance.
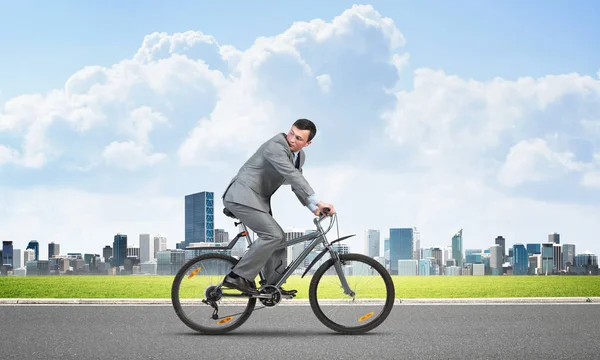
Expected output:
(315, 238)
(289, 270)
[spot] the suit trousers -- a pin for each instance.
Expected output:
(262, 251)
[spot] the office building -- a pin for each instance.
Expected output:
(199, 218)
(401, 247)
(457, 248)
(372, 243)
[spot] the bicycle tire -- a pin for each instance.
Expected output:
(177, 303)
(389, 299)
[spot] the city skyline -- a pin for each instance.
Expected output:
(482, 118)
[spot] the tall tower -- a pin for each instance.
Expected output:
(502, 242)
(146, 248)
(554, 238)
(53, 249)
(457, 248)
(35, 246)
(119, 250)
(520, 259)
(372, 243)
(7, 253)
(401, 247)
(199, 218)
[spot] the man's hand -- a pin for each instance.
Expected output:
(321, 205)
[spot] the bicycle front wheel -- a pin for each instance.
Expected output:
(200, 302)
(371, 303)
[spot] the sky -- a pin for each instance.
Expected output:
(481, 116)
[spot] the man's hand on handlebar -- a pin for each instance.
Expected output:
(324, 209)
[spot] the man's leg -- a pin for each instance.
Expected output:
(270, 234)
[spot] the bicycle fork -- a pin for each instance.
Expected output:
(337, 263)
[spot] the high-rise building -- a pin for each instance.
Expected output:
(473, 256)
(372, 243)
(28, 255)
(568, 253)
(160, 244)
(457, 248)
(500, 240)
(107, 252)
(199, 218)
(221, 236)
(7, 253)
(35, 246)
(520, 260)
(146, 248)
(554, 238)
(53, 249)
(17, 259)
(119, 250)
(401, 247)
(417, 244)
(547, 258)
(496, 259)
(533, 249)
(558, 261)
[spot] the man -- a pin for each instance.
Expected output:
(248, 196)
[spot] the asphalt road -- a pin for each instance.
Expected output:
(550, 331)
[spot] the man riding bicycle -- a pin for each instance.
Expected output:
(278, 161)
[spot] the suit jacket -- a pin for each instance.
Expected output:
(265, 171)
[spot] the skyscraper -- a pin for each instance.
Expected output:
(199, 218)
(146, 248)
(554, 238)
(53, 249)
(568, 253)
(457, 248)
(160, 244)
(401, 247)
(33, 245)
(119, 250)
(7, 253)
(372, 242)
(502, 242)
(496, 259)
(520, 260)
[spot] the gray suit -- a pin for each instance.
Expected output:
(248, 197)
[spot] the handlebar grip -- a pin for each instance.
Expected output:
(326, 210)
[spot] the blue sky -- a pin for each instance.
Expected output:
(438, 147)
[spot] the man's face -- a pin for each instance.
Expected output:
(297, 139)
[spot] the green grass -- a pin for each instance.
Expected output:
(406, 286)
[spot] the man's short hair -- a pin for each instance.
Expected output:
(305, 124)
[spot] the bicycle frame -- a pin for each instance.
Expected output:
(316, 238)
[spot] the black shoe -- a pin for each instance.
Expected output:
(288, 292)
(241, 284)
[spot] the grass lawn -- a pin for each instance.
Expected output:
(406, 286)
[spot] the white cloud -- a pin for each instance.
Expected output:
(324, 81)
(8, 155)
(431, 156)
(129, 155)
(532, 160)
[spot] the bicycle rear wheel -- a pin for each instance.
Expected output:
(196, 295)
(368, 308)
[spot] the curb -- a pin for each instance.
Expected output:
(428, 301)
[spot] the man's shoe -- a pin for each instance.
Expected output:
(241, 284)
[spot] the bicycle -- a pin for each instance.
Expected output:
(197, 286)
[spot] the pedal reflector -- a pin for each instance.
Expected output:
(193, 273)
(225, 320)
(366, 316)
